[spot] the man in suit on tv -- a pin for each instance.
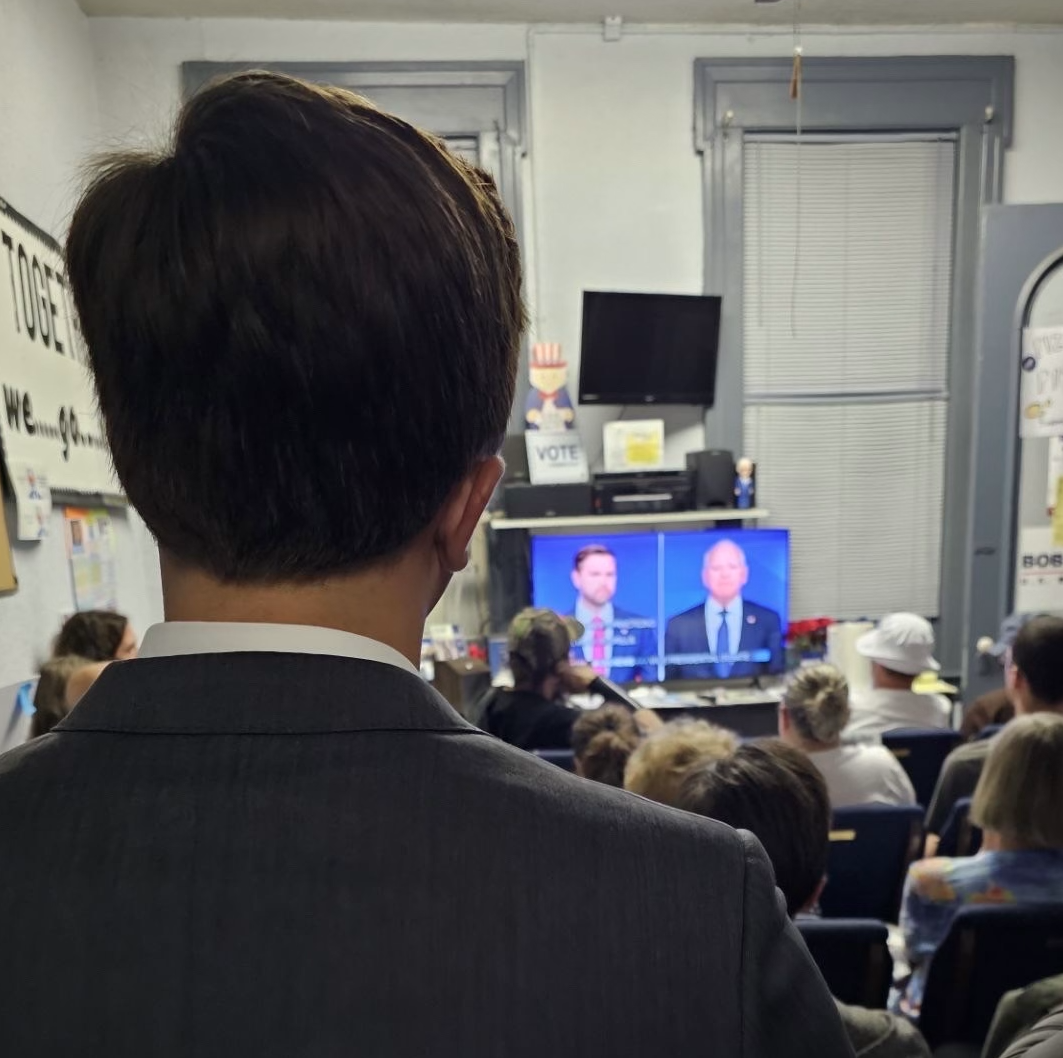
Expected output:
(269, 835)
(725, 628)
(616, 642)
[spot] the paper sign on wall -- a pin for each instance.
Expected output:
(1041, 386)
(634, 445)
(1055, 470)
(556, 457)
(90, 547)
(47, 409)
(1039, 572)
(33, 501)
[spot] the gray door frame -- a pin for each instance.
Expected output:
(1021, 245)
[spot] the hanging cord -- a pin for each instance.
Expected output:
(797, 95)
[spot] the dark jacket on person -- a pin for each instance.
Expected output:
(989, 709)
(526, 719)
(284, 855)
(1019, 1019)
(880, 1034)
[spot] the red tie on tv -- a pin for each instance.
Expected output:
(598, 645)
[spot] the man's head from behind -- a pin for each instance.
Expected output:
(303, 319)
(724, 571)
(594, 574)
(775, 792)
(1035, 666)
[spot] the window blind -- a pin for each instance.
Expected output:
(847, 291)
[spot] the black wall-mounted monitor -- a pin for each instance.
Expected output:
(649, 348)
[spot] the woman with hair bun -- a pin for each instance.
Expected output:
(812, 716)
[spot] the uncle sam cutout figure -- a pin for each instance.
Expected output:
(548, 406)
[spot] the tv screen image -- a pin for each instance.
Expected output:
(649, 348)
(611, 585)
(682, 605)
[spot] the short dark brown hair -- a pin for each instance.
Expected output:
(1038, 654)
(591, 549)
(93, 635)
(774, 791)
(602, 741)
(303, 319)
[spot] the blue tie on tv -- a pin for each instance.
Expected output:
(723, 647)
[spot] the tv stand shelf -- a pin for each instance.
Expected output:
(620, 522)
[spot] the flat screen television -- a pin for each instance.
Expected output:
(678, 605)
(649, 348)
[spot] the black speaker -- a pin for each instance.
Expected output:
(713, 473)
(546, 501)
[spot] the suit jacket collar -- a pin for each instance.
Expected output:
(260, 693)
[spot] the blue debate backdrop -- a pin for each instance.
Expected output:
(553, 559)
(767, 556)
(659, 574)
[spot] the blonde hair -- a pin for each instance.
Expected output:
(658, 767)
(49, 700)
(1021, 787)
(817, 700)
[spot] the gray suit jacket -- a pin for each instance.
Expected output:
(283, 855)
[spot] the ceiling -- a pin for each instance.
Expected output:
(813, 12)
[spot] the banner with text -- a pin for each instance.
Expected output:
(47, 407)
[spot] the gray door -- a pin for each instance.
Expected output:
(1020, 285)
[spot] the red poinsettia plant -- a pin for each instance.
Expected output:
(808, 636)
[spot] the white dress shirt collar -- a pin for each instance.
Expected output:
(174, 638)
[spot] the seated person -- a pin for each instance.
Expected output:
(49, 699)
(1043, 1039)
(1017, 805)
(657, 768)
(995, 707)
(1020, 1018)
(1033, 673)
(899, 649)
(533, 713)
(773, 790)
(813, 712)
(602, 741)
(97, 635)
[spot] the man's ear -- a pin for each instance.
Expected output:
(462, 512)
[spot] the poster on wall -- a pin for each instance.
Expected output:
(33, 501)
(1055, 471)
(90, 548)
(1041, 386)
(1039, 572)
(47, 416)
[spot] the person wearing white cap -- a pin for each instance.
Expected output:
(899, 649)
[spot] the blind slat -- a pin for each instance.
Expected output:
(868, 229)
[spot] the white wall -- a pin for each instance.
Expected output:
(613, 182)
(48, 121)
(614, 189)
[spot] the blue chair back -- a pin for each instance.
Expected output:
(988, 731)
(563, 758)
(959, 836)
(988, 951)
(853, 957)
(921, 754)
(871, 847)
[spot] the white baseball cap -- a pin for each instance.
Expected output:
(903, 642)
